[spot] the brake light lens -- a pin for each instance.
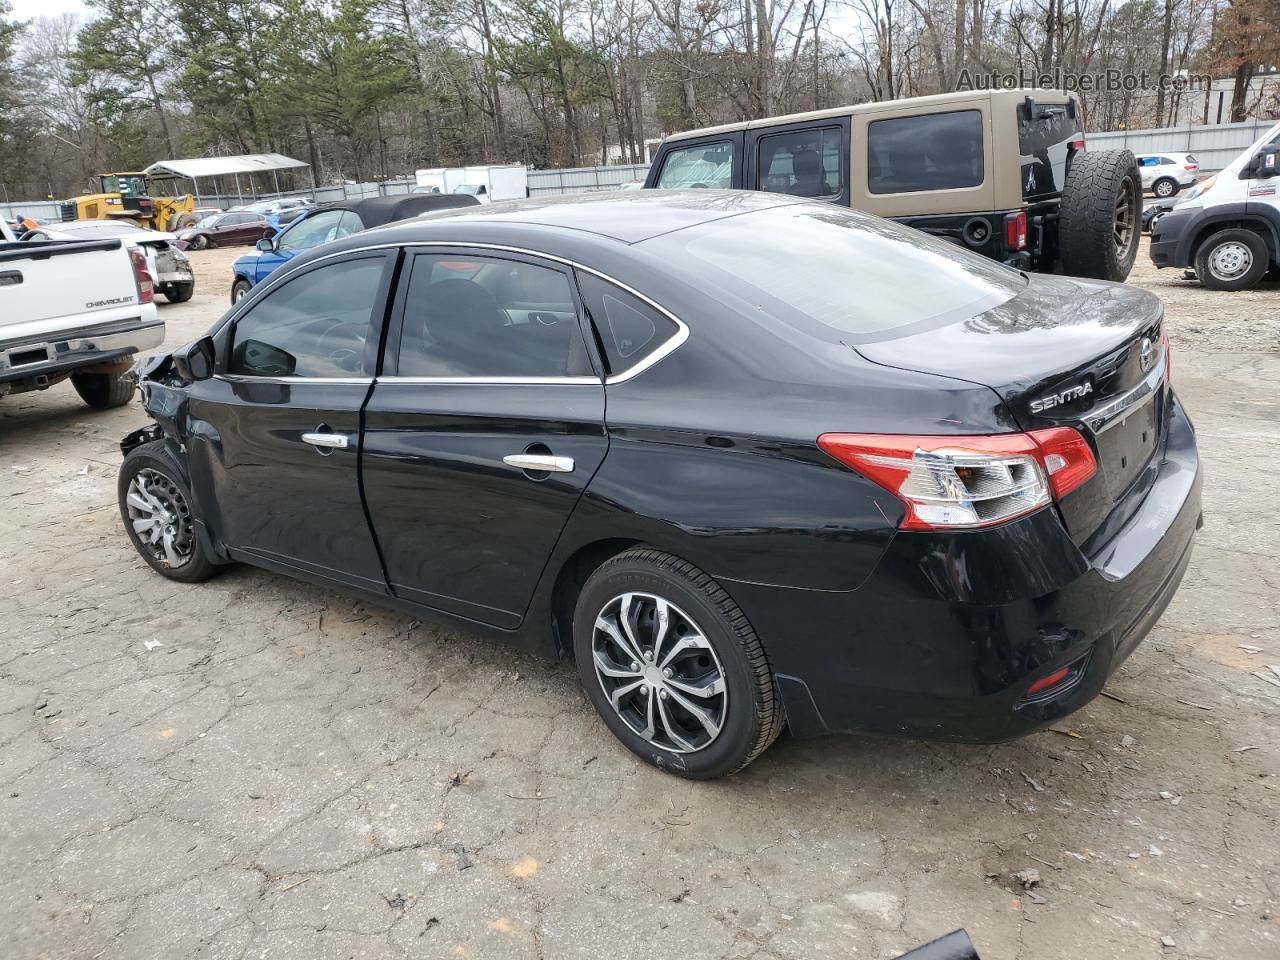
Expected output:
(965, 482)
(1046, 683)
(1191, 166)
(142, 276)
(1076, 143)
(1015, 231)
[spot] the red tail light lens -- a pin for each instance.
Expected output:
(1046, 683)
(1015, 231)
(1191, 166)
(142, 276)
(967, 482)
(1076, 143)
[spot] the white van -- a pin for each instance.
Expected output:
(1227, 228)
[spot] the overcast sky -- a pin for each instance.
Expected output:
(30, 9)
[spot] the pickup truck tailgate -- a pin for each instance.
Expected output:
(54, 286)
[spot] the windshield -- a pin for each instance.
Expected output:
(471, 188)
(860, 277)
(210, 221)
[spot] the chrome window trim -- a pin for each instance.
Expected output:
(1116, 411)
(669, 346)
(249, 378)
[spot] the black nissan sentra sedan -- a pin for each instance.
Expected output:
(751, 461)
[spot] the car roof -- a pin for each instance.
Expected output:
(629, 216)
(376, 211)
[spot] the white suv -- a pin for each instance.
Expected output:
(1164, 174)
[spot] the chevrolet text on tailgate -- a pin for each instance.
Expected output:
(852, 478)
(78, 309)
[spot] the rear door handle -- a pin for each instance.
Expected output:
(10, 278)
(539, 464)
(331, 441)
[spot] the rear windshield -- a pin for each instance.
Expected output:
(840, 274)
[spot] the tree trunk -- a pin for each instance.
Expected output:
(1240, 91)
(1166, 28)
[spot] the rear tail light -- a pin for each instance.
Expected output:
(1076, 143)
(1191, 166)
(1049, 682)
(967, 482)
(1015, 231)
(142, 276)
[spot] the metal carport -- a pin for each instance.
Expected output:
(198, 167)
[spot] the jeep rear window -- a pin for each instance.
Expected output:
(935, 151)
(838, 274)
(701, 165)
(1045, 132)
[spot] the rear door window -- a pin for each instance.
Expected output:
(702, 165)
(803, 163)
(482, 317)
(934, 151)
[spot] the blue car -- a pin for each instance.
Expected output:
(330, 222)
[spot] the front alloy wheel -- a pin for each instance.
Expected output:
(160, 517)
(660, 673)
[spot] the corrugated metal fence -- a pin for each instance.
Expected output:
(1214, 146)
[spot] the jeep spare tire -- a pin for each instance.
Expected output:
(1099, 215)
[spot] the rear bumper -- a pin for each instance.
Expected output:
(70, 349)
(947, 635)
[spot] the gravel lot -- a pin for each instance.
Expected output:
(252, 768)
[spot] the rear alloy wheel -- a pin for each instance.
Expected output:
(1165, 187)
(1232, 259)
(199, 242)
(1098, 217)
(155, 506)
(673, 667)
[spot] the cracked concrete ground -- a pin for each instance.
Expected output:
(254, 768)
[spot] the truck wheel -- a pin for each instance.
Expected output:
(239, 290)
(673, 667)
(102, 391)
(180, 292)
(156, 508)
(1165, 187)
(1233, 259)
(1099, 215)
(184, 220)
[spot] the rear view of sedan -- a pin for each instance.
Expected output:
(750, 461)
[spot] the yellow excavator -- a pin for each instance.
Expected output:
(129, 196)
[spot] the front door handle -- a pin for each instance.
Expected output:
(539, 464)
(330, 441)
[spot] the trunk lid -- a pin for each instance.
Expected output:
(1064, 352)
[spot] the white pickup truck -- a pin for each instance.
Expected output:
(74, 308)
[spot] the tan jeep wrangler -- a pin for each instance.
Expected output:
(1002, 172)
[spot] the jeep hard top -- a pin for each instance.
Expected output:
(1002, 172)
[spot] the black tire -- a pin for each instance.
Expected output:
(1232, 259)
(199, 242)
(750, 711)
(182, 221)
(1164, 188)
(180, 292)
(102, 391)
(239, 290)
(163, 481)
(1090, 226)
